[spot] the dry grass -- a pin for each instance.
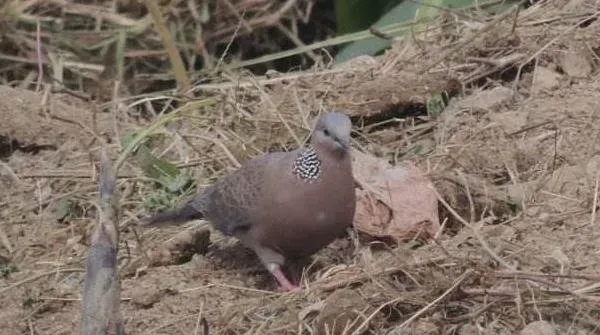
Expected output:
(517, 167)
(76, 45)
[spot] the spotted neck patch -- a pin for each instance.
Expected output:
(307, 165)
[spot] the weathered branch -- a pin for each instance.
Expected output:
(102, 293)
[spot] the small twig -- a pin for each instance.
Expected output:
(155, 125)
(534, 303)
(11, 174)
(364, 324)
(200, 43)
(366, 276)
(526, 129)
(218, 143)
(475, 232)
(67, 174)
(265, 81)
(457, 282)
(474, 315)
(80, 124)
(469, 196)
(233, 36)
(170, 323)
(497, 63)
(595, 204)
(276, 111)
(514, 24)
(555, 156)
(469, 39)
(562, 17)
(441, 229)
(240, 288)
(167, 39)
(38, 39)
(240, 17)
(523, 274)
(71, 299)
(38, 276)
(201, 320)
(296, 41)
(278, 15)
(5, 241)
(378, 33)
(115, 112)
(547, 45)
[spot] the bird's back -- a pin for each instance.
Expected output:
(230, 204)
(266, 201)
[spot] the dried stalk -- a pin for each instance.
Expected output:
(102, 293)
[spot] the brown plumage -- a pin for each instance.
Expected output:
(283, 205)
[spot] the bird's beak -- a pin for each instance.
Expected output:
(341, 146)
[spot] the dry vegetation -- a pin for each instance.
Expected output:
(514, 157)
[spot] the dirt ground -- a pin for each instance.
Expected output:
(517, 159)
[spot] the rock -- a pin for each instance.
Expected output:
(592, 168)
(487, 99)
(538, 328)
(544, 79)
(146, 297)
(468, 329)
(181, 248)
(575, 63)
(419, 327)
(359, 62)
(510, 121)
(575, 5)
(518, 193)
(343, 312)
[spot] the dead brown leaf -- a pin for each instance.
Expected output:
(397, 203)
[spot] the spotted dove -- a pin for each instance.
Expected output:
(282, 205)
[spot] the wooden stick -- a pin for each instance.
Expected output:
(102, 292)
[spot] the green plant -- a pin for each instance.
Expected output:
(7, 269)
(415, 14)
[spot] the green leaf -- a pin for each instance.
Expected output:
(68, 209)
(7, 269)
(64, 206)
(355, 15)
(165, 173)
(437, 103)
(371, 46)
(406, 12)
(128, 137)
(154, 167)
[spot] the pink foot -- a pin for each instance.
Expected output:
(292, 288)
(284, 283)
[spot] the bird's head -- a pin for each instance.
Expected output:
(332, 133)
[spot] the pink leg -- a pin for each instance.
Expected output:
(284, 283)
(295, 276)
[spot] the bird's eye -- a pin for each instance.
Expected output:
(326, 132)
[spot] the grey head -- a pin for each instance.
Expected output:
(332, 133)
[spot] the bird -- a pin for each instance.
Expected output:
(283, 205)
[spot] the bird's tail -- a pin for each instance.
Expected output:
(173, 217)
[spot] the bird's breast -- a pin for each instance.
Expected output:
(321, 217)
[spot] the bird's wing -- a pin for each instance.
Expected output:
(232, 203)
